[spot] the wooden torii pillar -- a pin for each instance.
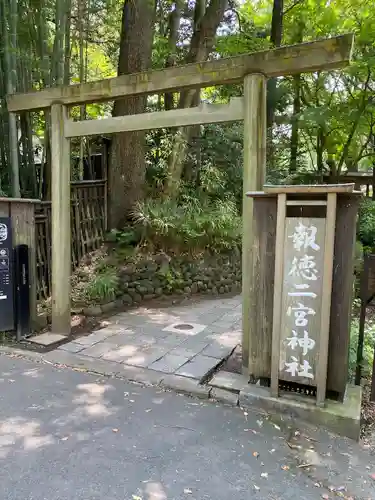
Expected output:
(251, 69)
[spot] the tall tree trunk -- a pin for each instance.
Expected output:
(202, 43)
(67, 57)
(193, 132)
(127, 163)
(296, 110)
(9, 20)
(173, 26)
(82, 108)
(275, 39)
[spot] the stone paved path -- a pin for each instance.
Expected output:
(188, 341)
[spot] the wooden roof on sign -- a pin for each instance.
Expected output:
(309, 189)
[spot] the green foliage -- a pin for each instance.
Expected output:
(192, 226)
(366, 223)
(104, 285)
(368, 348)
(128, 236)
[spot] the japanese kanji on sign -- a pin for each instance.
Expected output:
(301, 299)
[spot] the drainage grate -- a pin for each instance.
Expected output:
(184, 326)
(305, 390)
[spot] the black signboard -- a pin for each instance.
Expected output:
(6, 276)
(21, 278)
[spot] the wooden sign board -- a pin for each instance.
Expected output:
(301, 302)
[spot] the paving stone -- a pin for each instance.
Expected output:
(150, 329)
(224, 396)
(144, 358)
(47, 339)
(121, 353)
(185, 386)
(71, 347)
(128, 319)
(185, 352)
(198, 367)
(169, 363)
(230, 381)
(97, 350)
(120, 339)
(116, 330)
(145, 340)
(195, 344)
(173, 340)
(82, 362)
(215, 350)
(138, 374)
(93, 338)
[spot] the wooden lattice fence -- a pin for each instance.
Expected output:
(88, 224)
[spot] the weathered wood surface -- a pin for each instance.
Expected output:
(61, 227)
(277, 293)
(342, 293)
(23, 229)
(329, 245)
(253, 178)
(264, 233)
(301, 312)
(316, 189)
(331, 53)
(199, 115)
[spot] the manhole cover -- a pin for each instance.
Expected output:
(184, 326)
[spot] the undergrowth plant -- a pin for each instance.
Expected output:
(190, 226)
(103, 286)
(366, 224)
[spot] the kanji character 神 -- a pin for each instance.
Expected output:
(305, 342)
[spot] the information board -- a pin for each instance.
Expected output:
(6, 276)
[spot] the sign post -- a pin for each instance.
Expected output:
(305, 230)
(6, 276)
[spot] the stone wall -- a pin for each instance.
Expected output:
(160, 276)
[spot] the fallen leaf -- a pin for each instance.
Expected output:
(264, 474)
(255, 454)
(285, 467)
(114, 430)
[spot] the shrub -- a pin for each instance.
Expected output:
(103, 286)
(190, 226)
(366, 223)
(368, 348)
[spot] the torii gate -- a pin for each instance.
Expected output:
(251, 69)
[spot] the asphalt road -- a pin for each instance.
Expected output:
(71, 435)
